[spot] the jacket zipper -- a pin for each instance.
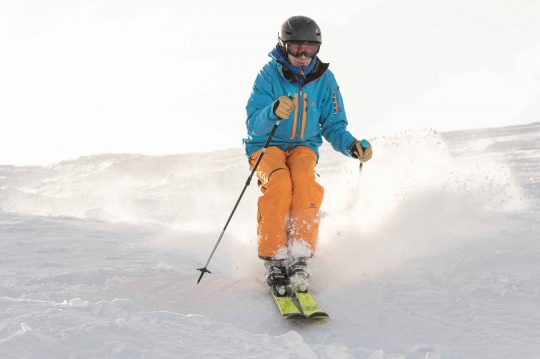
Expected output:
(293, 133)
(300, 113)
(304, 116)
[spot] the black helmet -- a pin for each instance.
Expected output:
(299, 28)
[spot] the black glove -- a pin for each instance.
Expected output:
(361, 150)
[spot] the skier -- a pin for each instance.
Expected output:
(297, 87)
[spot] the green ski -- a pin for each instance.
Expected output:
(309, 306)
(286, 306)
(299, 305)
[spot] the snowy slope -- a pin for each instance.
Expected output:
(432, 252)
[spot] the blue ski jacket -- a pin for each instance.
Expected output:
(318, 107)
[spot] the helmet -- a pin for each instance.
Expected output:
(299, 28)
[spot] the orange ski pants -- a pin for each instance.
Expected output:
(288, 209)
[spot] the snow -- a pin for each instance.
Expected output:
(431, 252)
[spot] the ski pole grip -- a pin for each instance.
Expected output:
(364, 144)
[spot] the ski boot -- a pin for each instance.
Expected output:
(276, 276)
(299, 275)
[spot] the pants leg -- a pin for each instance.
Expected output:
(307, 196)
(274, 203)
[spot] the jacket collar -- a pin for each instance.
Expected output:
(292, 73)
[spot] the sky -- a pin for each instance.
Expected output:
(164, 77)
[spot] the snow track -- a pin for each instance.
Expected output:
(432, 253)
(119, 328)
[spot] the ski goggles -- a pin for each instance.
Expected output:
(299, 49)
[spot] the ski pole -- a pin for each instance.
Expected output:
(364, 144)
(205, 268)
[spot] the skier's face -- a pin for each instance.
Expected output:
(300, 53)
(299, 61)
(302, 48)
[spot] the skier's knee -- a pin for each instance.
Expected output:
(280, 181)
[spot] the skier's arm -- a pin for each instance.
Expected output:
(260, 106)
(334, 121)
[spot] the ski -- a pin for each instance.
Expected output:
(286, 306)
(299, 305)
(309, 306)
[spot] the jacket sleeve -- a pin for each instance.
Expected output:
(334, 121)
(260, 114)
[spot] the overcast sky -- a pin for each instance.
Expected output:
(161, 77)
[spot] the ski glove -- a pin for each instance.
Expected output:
(360, 152)
(283, 107)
